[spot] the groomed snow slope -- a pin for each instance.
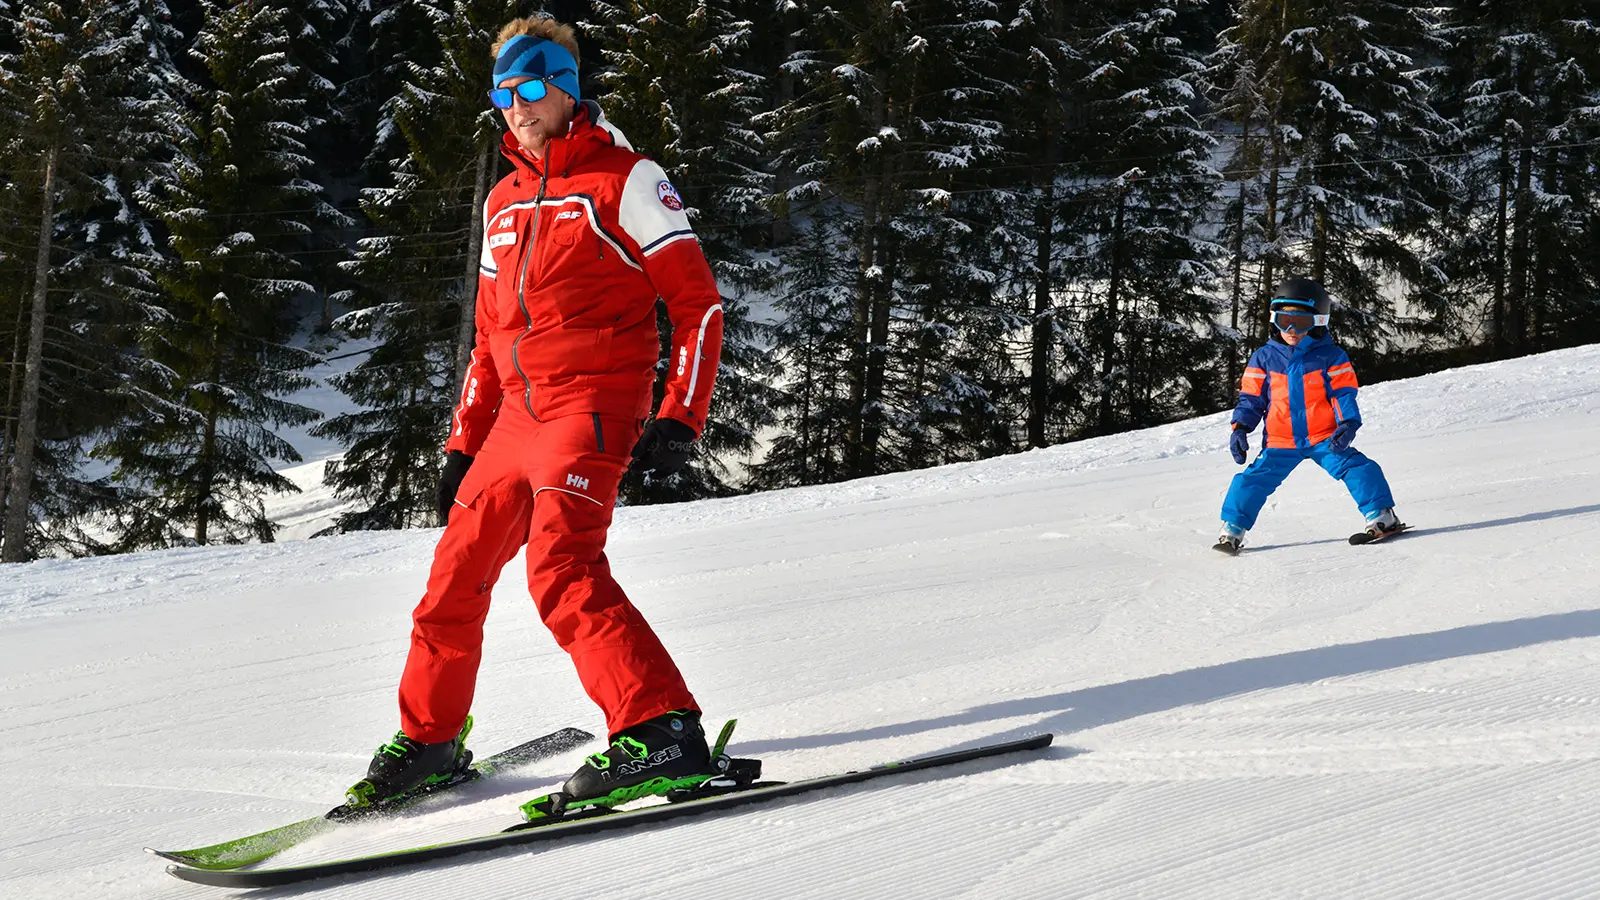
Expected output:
(1418, 719)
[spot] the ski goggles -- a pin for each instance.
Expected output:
(1296, 321)
(531, 91)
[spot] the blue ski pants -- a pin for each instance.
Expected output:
(1251, 488)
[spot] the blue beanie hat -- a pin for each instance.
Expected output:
(539, 58)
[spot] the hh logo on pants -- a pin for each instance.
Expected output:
(581, 484)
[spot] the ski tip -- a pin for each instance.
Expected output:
(172, 855)
(1036, 741)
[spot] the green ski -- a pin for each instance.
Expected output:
(257, 847)
(590, 821)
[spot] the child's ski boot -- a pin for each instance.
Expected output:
(1231, 540)
(1381, 525)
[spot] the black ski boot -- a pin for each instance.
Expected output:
(404, 766)
(654, 758)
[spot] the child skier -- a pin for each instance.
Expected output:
(1305, 388)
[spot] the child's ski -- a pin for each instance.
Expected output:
(1367, 537)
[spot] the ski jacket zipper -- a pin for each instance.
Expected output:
(522, 300)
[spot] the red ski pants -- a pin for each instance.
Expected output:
(551, 485)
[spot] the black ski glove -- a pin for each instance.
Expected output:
(456, 465)
(664, 448)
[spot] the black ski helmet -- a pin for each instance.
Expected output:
(1301, 293)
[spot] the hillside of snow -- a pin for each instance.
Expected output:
(1416, 719)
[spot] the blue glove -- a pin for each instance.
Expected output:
(1343, 435)
(1239, 444)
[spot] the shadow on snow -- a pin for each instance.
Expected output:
(1092, 707)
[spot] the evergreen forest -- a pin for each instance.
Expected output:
(944, 230)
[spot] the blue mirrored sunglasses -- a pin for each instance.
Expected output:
(531, 91)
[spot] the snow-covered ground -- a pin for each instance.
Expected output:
(1418, 719)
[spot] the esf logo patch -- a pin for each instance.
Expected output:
(669, 196)
(570, 214)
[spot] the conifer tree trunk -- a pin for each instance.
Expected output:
(466, 336)
(19, 499)
(1044, 225)
(403, 519)
(783, 178)
(878, 289)
(1108, 341)
(878, 374)
(1497, 317)
(1517, 294)
(860, 321)
(1319, 247)
(1258, 319)
(9, 435)
(206, 474)
(808, 383)
(1543, 255)
(1237, 297)
(867, 387)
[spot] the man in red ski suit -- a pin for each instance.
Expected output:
(579, 241)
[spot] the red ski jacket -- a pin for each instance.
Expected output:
(576, 249)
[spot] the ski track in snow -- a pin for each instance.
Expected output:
(1419, 719)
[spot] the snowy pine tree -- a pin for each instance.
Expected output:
(1350, 139)
(678, 82)
(812, 347)
(438, 147)
(952, 389)
(238, 208)
(86, 96)
(1521, 81)
(890, 133)
(1141, 179)
(1043, 63)
(1239, 102)
(320, 49)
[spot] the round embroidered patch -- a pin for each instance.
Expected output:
(669, 196)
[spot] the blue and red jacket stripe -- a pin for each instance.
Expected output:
(1303, 392)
